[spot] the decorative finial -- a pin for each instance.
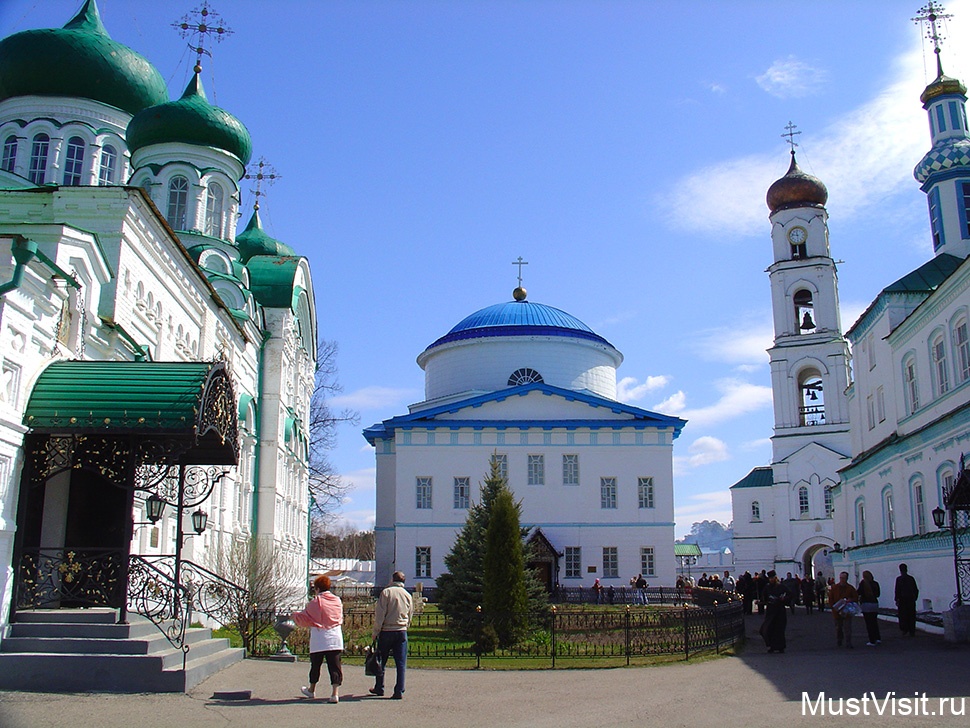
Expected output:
(198, 24)
(791, 134)
(931, 16)
(264, 173)
(519, 293)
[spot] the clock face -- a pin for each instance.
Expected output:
(797, 235)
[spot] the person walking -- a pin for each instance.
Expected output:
(906, 595)
(821, 589)
(869, 602)
(843, 598)
(808, 594)
(392, 617)
(324, 615)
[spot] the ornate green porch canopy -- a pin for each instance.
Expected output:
(192, 400)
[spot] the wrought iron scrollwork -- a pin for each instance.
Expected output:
(154, 594)
(217, 409)
(51, 578)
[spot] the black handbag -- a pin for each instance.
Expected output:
(372, 660)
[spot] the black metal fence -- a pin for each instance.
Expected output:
(556, 634)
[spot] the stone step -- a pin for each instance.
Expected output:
(82, 630)
(98, 615)
(151, 643)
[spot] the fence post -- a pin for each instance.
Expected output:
(481, 626)
(717, 634)
(686, 635)
(627, 628)
(552, 631)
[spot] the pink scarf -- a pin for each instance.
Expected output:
(323, 611)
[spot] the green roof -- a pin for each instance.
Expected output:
(928, 276)
(85, 395)
(190, 120)
(79, 60)
(272, 279)
(687, 549)
(254, 241)
(758, 478)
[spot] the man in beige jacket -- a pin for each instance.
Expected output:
(392, 617)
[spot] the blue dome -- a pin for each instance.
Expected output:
(520, 318)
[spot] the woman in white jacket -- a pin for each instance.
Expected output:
(323, 615)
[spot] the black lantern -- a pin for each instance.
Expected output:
(836, 548)
(939, 517)
(199, 520)
(154, 506)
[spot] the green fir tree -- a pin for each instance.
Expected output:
(505, 597)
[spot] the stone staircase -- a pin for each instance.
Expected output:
(81, 650)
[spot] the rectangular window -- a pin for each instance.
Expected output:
(463, 492)
(422, 562)
(871, 411)
(940, 118)
(803, 501)
(829, 503)
(954, 115)
(936, 218)
(965, 209)
(645, 492)
(503, 465)
(611, 563)
(963, 350)
(881, 404)
(860, 526)
(73, 162)
(9, 154)
(37, 172)
(424, 493)
(570, 469)
(647, 561)
(872, 352)
(537, 470)
(574, 562)
(607, 492)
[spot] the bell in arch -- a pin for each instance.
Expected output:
(807, 322)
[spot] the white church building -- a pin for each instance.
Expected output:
(535, 387)
(876, 455)
(147, 351)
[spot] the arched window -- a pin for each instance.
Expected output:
(178, 196)
(860, 522)
(9, 153)
(919, 506)
(911, 389)
(524, 376)
(938, 356)
(802, 501)
(213, 210)
(829, 503)
(889, 513)
(945, 478)
(804, 312)
(37, 173)
(74, 161)
(812, 410)
(106, 172)
(755, 512)
(961, 338)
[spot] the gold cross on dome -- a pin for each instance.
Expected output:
(520, 263)
(791, 134)
(264, 174)
(197, 25)
(931, 14)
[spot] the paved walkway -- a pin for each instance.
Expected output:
(753, 689)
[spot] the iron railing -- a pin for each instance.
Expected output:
(50, 578)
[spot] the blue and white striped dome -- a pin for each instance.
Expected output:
(519, 318)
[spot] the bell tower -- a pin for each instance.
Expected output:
(810, 357)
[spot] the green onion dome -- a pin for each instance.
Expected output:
(79, 60)
(190, 120)
(254, 241)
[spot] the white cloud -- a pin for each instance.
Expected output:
(737, 398)
(791, 78)
(763, 442)
(713, 506)
(360, 481)
(744, 343)
(628, 390)
(706, 450)
(856, 171)
(374, 397)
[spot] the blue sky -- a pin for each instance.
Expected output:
(622, 148)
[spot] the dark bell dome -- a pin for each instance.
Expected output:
(79, 60)
(796, 189)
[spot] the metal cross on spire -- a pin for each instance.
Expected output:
(520, 263)
(197, 25)
(265, 173)
(931, 16)
(791, 134)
